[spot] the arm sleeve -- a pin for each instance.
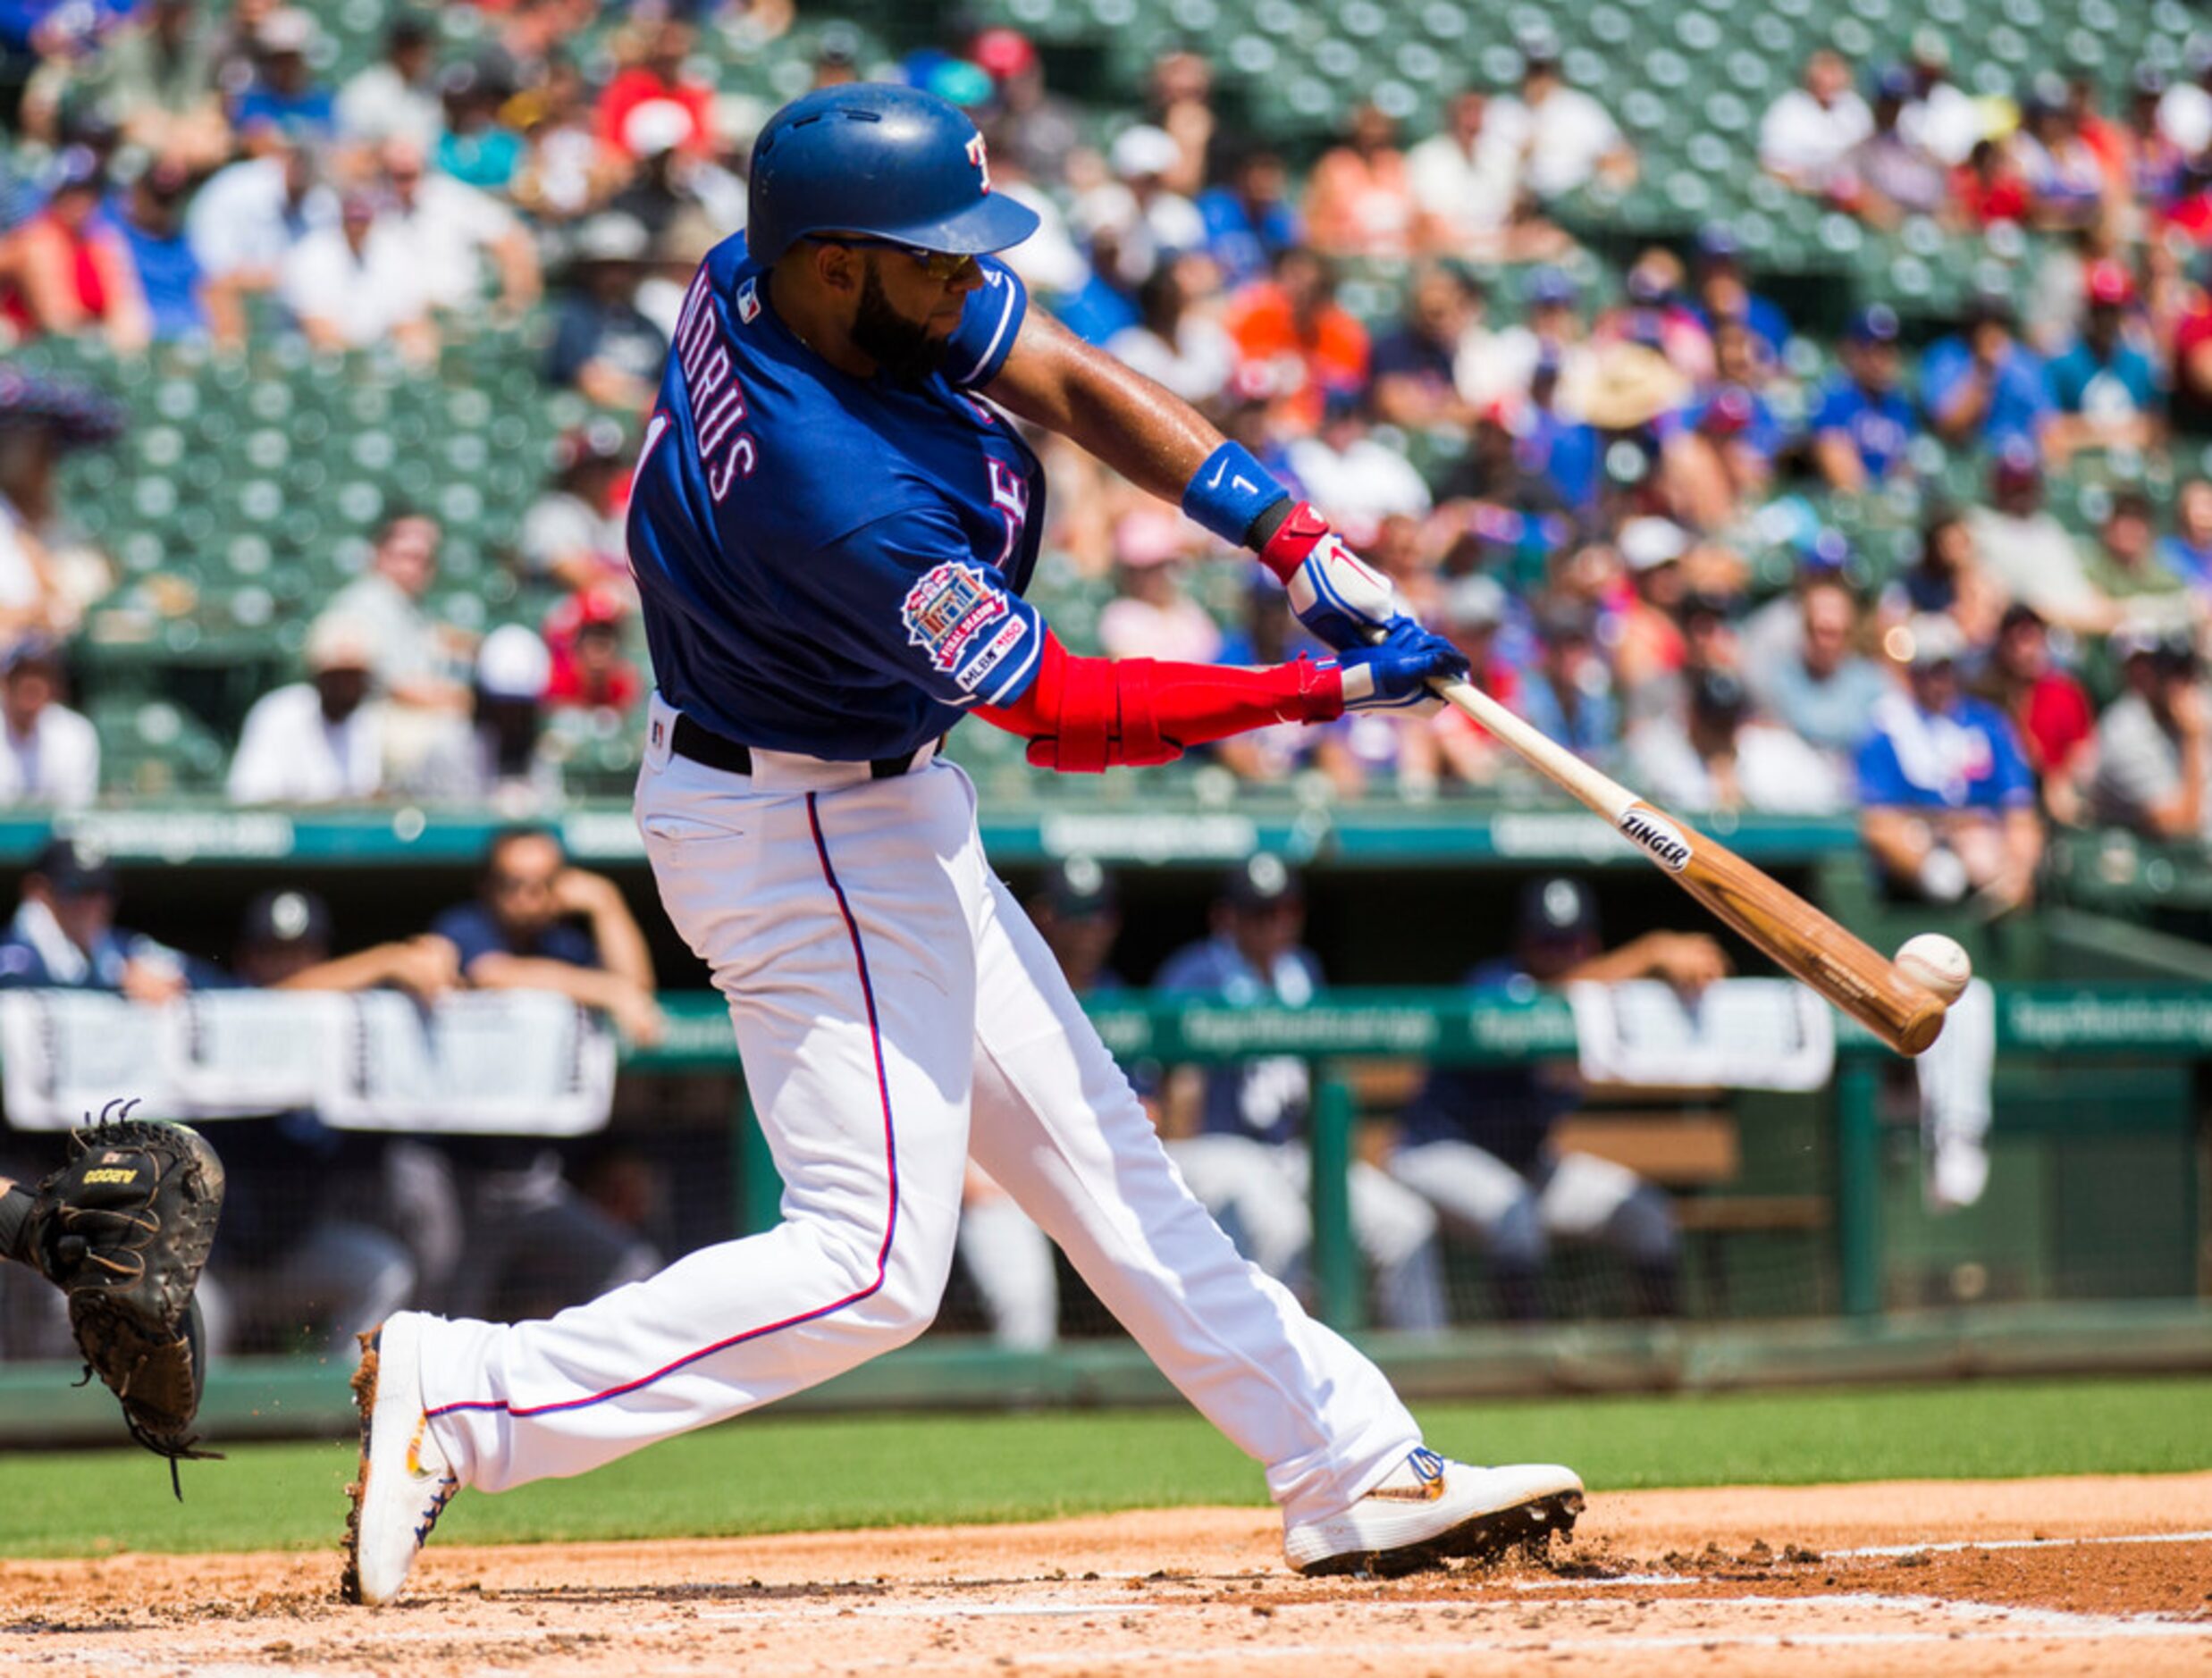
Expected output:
(1085, 715)
(988, 326)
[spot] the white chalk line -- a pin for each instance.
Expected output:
(1982, 1622)
(1951, 1547)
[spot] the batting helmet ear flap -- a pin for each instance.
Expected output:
(890, 162)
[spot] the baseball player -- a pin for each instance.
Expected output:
(832, 522)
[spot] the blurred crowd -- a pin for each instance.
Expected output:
(1635, 490)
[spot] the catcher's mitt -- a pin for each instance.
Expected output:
(123, 1229)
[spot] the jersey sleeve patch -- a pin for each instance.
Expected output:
(964, 623)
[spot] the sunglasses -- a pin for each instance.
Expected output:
(941, 266)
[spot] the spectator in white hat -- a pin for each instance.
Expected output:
(320, 741)
(502, 759)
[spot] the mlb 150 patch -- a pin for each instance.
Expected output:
(947, 609)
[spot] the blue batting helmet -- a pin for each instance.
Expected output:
(871, 157)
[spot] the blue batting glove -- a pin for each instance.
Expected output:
(1394, 673)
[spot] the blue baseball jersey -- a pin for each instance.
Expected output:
(831, 564)
(1965, 758)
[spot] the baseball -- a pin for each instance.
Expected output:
(1936, 963)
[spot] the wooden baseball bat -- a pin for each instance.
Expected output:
(1806, 943)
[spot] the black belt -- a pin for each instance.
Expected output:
(703, 745)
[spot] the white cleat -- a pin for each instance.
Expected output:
(1431, 1509)
(405, 1481)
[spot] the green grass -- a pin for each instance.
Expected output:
(763, 1474)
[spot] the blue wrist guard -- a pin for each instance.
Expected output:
(1229, 491)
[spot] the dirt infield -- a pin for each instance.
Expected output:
(2016, 1576)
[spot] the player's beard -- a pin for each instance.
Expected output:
(904, 349)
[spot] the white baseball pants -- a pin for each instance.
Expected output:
(895, 1011)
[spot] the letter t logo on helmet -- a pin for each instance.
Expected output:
(871, 157)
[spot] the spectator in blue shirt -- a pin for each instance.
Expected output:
(1950, 802)
(1862, 424)
(1570, 695)
(151, 221)
(540, 924)
(1983, 387)
(1238, 1132)
(1723, 455)
(1821, 689)
(1566, 451)
(65, 936)
(535, 1243)
(2187, 553)
(284, 91)
(1248, 220)
(2104, 387)
(1724, 295)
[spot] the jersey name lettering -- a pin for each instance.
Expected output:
(717, 401)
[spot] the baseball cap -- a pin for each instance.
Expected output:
(1717, 242)
(1730, 411)
(285, 917)
(597, 440)
(1538, 45)
(1474, 602)
(2109, 282)
(611, 236)
(654, 126)
(1829, 550)
(1261, 881)
(1003, 53)
(513, 663)
(1647, 543)
(1719, 696)
(1875, 324)
(2017, 462)
(1936, 640)
(1896, 82)
(1548, 285)
(33, 652)
(74, 867)
(336, 642)
(1556, 908)
(1078, 888)
(1150, 536)
(288, 30)
(1144, 150)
